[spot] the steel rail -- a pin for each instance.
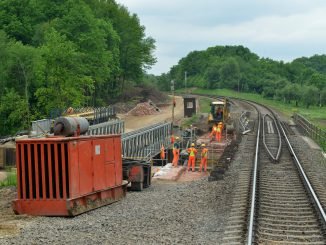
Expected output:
(278, 154)
(306, 180)
(254, 185)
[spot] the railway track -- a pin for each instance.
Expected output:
(284, 206)
(273, 203)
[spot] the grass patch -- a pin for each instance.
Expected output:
(189, 121)
(11, 179)
(204, 104)
(317, 115)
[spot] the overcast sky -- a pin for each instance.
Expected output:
(278, 29)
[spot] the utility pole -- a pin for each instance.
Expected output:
(173, 101)
(185, 81)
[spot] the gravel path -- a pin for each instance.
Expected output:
(166, 213)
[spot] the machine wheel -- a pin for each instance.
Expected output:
(137, 186)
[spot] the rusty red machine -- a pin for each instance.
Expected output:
(67, 176)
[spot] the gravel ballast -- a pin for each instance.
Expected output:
(166, 213)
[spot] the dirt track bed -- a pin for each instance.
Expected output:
(186, 213)
(10, 223)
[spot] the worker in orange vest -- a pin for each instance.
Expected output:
(162, 153)
(203, 162)
(192, 157)
(214, 132)
(172, 139)
(176, 152)
(219, 131)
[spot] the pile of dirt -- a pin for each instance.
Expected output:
(145, 108)
(123, 107)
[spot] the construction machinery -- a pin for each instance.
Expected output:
(68, 174)
(220, 112)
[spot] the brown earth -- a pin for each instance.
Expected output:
(10, 223)
(165, 114)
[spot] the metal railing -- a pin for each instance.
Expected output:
(110, 127)
(141, 142)
(94, 115)
(311, 130)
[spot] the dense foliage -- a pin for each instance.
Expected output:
(235, 67)
(60, 53)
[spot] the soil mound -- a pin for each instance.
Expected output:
(145, 108)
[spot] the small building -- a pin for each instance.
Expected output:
(7, 155)
(190, 105)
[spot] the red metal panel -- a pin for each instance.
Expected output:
(64, 176)
(56, 170)
(73, 169)
(110, 174)
(30, 171)
(23, 170)
(19, 171)
(109, 150)
(118, 161)
(44, 186)
(98, 161)
(85, 167)
(50, 171)
(41, 207)
(36, 165)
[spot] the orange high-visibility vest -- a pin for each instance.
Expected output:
(162, 152)
(204, 153)
(192, 151)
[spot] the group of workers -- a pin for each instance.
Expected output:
(217, 131)
(192, 158)
(192, 151)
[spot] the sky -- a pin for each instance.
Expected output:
(277, 29)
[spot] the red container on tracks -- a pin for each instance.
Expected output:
(68, 176)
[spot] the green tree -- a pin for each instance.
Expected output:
(12, 113)
(63, 85)
(310, 95)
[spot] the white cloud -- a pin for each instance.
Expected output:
(273, 28)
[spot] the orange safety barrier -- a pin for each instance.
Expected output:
(68, 176)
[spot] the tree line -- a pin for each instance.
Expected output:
(302, 81)
(60, 53)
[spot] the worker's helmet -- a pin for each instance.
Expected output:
(203, 145)
(220, 123)
(177, 138)
(192, 144)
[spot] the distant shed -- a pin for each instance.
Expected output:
(190, 105)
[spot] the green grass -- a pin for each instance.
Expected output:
(204, 104)
(189, 121)
(11, 179)
(317, 115)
